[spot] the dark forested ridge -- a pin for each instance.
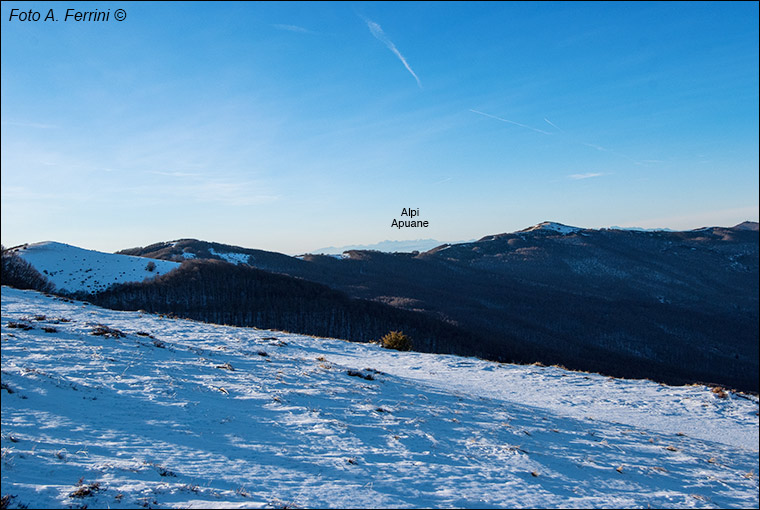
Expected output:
(185, 249)
(676, 307)
(224, 293)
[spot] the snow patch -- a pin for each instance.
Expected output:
(556, 227)
(231, 257)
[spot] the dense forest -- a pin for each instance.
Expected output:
(621, 338)
(223, 293)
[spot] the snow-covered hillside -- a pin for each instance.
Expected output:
(73, 269)
(125, 409)
(554, 227)
(231, 257)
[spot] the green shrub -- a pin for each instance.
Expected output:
(396, 340)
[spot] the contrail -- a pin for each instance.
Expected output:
(552, 124)
(293, 28)
(511, 122)
(377, 31)
(585, 176)
(597, 147)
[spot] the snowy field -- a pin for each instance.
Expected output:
(123, 409)
(73, 269)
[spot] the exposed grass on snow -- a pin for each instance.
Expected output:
(173, 413)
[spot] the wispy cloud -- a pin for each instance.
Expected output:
(597, 147)
(511, 122)
(553, 125)
(232, 193)
(35, 125)
(198, 187)
(585, 176)
(293, 28)
(620, 154)
(176, 174)
(377, 31)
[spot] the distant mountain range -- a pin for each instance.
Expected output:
(387, 246)
(676, 307)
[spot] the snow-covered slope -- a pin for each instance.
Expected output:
(124, 409)
(554, 227)
(231, 257)
(73, 269)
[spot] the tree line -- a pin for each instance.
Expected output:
(240, 295)
(17, 272)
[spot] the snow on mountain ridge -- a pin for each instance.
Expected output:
(73, 269)
(566, 229)
(551, 225)
(231, 257)
(747, 225)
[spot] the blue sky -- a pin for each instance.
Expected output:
(292, 126)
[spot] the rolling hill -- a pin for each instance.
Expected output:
(676, 307)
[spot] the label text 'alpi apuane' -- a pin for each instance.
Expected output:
(409, 223)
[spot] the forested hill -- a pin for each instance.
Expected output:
(677, 307)
(190, 249)
(223, 293)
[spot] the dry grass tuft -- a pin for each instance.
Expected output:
(85, 490)
(720, 392)
(356, 373)
(20, 325)
(102, 330)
